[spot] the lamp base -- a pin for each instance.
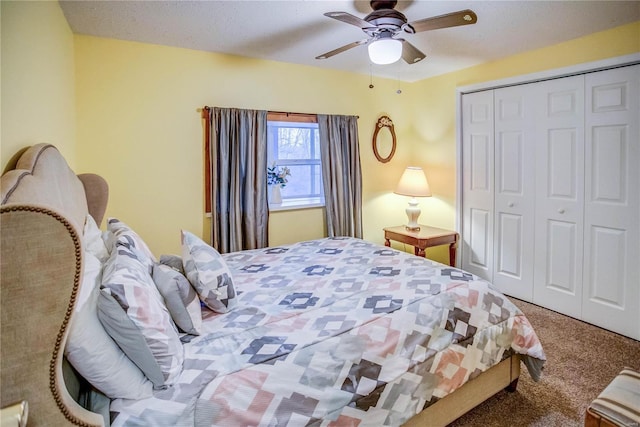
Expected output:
(413, 213)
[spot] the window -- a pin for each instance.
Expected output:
(294, 143)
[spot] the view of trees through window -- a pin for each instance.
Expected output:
(296, 146)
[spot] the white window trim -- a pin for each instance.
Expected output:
(298, 203)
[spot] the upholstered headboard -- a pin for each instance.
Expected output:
(44, 206)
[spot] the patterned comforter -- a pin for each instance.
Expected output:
(337, 332)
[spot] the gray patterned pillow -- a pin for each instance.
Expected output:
(123, 331)
(179, 297)
(130, 284)
(120, 233)
(208, 273)
(173, 261)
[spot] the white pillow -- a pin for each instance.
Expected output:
(91, 350)
(208, 273)
(92, 239)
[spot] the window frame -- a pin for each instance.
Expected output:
(302, 202)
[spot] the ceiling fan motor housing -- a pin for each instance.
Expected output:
(383, 4)
(383, 20)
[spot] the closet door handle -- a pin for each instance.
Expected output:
(511, 204)
(560, 211)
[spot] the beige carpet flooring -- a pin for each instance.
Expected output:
(581, 360)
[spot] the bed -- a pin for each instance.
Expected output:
(330, 332)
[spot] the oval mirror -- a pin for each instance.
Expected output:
(384, 140)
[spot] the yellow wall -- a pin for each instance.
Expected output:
(129, 112)
(139, 126)
(38, 83)
(296, 226)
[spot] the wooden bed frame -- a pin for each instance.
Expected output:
(44, 205)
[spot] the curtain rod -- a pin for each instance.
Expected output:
(288, 113)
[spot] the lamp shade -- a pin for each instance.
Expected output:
(413, 183)
(385, 51)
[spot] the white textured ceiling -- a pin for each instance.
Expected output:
(295, 31)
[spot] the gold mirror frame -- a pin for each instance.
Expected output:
(384, 122)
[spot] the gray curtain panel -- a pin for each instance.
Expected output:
(240, 214)
(341, 174)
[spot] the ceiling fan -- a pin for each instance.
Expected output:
(384, 26)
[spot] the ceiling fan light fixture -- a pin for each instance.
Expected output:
(385, 51)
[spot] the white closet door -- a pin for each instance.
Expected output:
(514, 190)
(612, 201)
(477, 181)
(559, 199)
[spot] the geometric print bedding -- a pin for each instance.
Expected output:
(337, 332)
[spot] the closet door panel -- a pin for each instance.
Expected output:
(612, 201)
(477, 181)
(479, 240)
(510, 163)
(509, 245)
(561, 163)
(608, 267)
(559, 195)
(608, 166)
(514, 190)
(481, 175)
(561, 269)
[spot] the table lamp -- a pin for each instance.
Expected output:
(413, 183)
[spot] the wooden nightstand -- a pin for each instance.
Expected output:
(424, 238)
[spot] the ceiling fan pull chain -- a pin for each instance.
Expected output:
(370, 75)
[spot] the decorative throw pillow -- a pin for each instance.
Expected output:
(92, 239)
(130, 284)
(173, 261)
(91, 350)
(120, 234)
(208, 273)
(179, 297)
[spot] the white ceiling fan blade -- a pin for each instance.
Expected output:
(410, 53)
(462, 17)
(349, 19)
(342, 49)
